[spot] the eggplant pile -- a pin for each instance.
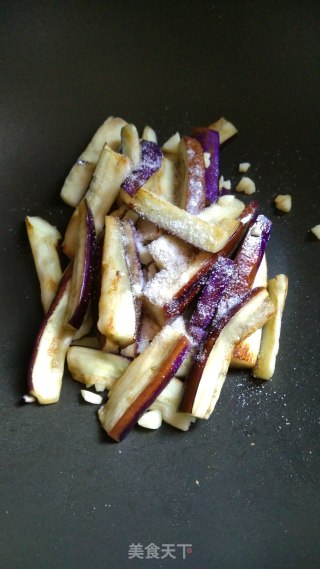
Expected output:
(166, 284)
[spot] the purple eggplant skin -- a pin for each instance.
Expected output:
(62, 290)
(234, 296)
(193, 198)
(97, 276)
(210, 296)
(193, 379)
(178, 304)
(252, 249)
(88, 260)
(210, 143)
(247, 263)
(151, 160)
(167, 372)
(96, 288)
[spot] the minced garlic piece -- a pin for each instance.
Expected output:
(207, 159)
(91, 397)
(151, 419)
(256, 232)
(316, 230)
(244, 166)
(224, 184)
(227, 184)
(29, 399)
(283, 202)
(246, 185)
(171, 146)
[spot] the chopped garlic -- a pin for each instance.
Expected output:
(224, 184)
(91, 397)
(151, 419)
(283, 202)
(256, 231)
(225, 129)
(246, 185)
(244, 167)
(316, 230)
(149, 134)
(171, 146)
(207, 159)
(29, 399)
